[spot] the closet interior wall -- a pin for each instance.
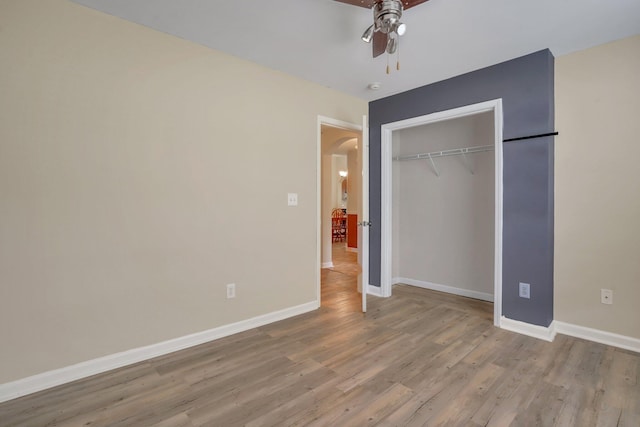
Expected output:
(443, 226)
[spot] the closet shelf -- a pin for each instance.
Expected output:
(452, 152)
(464, 151)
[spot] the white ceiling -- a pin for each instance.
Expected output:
(319, 40)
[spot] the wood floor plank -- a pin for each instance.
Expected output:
(328, 411)
(417, 358)
(543, 410)
(471, 397)
(131, 410)
(384, 403)
(180, 420)
(301, 406)
(90, 395)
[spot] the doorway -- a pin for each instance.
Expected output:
(340, 201)
(494, 108)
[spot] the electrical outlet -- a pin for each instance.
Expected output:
(231, 290)
(524, 290)
(292, 199)
(606, 296)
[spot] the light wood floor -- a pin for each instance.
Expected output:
(417, 358)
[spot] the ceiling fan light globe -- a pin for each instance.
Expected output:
(401, 28)
(368, 34)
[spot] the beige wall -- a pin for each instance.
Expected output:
(139, 174)
(597, 178)
(443, 226)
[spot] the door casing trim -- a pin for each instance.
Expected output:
(387, 130)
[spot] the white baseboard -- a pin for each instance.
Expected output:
(349, 249)
(596, 335)
(67, 374)
(374, 290)
(544, 333)
(443, 288)
(327, 265)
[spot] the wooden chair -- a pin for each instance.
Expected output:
(338, 225)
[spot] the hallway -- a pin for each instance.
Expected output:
(339, 284)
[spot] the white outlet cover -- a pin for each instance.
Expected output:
(292, 199)
(231, 290)
(524, 290)
(606, 296)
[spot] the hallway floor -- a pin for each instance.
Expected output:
(340, 283)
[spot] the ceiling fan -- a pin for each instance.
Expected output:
(386, 27)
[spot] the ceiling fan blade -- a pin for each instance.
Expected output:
(406, 4)
(380, 41)
(362, 3)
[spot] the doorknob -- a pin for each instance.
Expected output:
(364, 223)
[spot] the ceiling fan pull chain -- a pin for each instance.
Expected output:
(388, 63)
(398, 57)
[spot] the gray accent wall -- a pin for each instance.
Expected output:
(525, 86)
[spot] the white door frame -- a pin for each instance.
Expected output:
(364, 223)
(386, 181)
(322, 120)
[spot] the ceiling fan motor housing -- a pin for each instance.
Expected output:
(387, 14)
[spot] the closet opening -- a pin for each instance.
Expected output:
(442, 203)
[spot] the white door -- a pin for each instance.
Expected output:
(363, 221)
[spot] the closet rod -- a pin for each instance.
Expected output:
(530, 137)
(469, 150)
